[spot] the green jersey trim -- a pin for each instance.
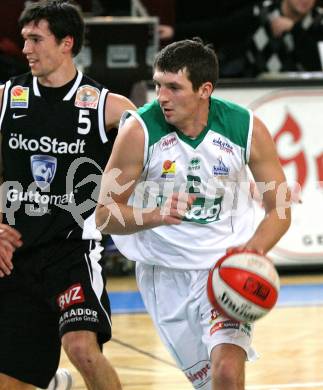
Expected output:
(226, 118)
(154, 119)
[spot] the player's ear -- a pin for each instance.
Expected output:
(68, 43)
(206, 90)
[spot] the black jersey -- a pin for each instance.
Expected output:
(53, 154)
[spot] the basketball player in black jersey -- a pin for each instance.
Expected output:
(55, 138)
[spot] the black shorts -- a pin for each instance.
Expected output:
(54, 290)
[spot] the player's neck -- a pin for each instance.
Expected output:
(58, 78)
(197, 122)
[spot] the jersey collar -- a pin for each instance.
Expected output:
(69, 94)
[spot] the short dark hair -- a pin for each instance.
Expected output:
(199, 59)
(64, 18)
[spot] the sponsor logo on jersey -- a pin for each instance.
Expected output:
(245, 327)
(46, 145)
(168, 142)
(19, 97)
(195, 164)
(224, 325)
(214, 315)
(204, 210)
(43, 169)
(168, 169)
(87, 97)
(223, 145)
(78, 315)
(72, 296)
(198, 374)
(42, 200)
(220, 169)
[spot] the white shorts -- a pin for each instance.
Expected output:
(186, 322)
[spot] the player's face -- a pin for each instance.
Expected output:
(300, 7)
(177, 99)
(43, 52)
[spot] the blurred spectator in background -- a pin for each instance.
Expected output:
(222, 25)
(253, 36)
(227, 28)
(166, 12)
(12, 62)
(286, 38)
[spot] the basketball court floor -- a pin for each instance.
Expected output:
(289, 341)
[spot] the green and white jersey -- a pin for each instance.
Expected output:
(213, 167)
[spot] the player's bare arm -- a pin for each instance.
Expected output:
(10, 238)
(115, 106)
(271, 181)
(113, 215)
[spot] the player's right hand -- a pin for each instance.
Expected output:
(10, 239)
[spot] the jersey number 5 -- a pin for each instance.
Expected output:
(84, 120)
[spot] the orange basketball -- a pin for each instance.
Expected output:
(243, 286)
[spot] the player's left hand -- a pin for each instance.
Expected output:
(10, 239)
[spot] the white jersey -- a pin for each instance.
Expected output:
(213, 167)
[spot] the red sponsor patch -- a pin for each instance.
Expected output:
(198, 374)
(168, 142)
(87, 97)
(73, 295)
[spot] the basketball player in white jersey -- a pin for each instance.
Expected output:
(52, 287)
(175, 194)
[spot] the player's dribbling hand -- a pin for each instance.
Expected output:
(10, 239)
(175, 208)
(243, 248)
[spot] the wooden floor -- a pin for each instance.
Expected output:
(289, 340)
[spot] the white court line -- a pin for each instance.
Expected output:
(286, 386)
